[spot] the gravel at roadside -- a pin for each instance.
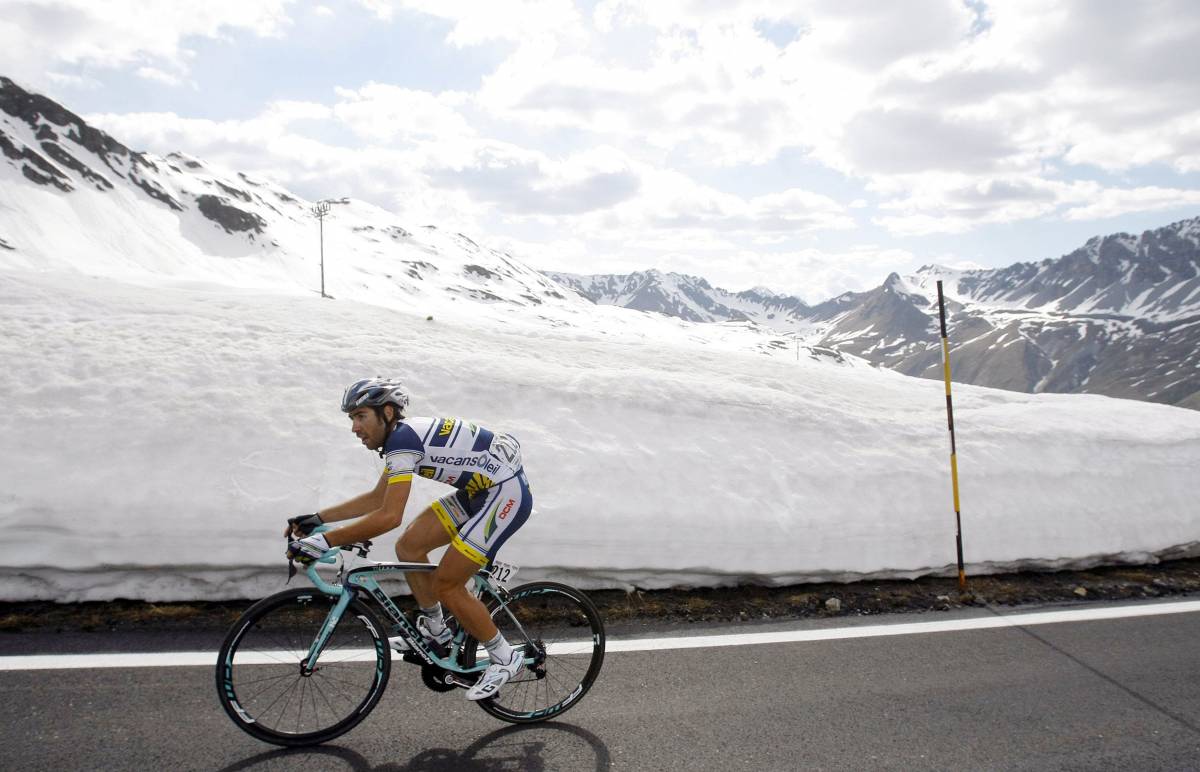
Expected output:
(1166, 579)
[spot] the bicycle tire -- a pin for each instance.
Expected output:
(259, 665)
(566, 625)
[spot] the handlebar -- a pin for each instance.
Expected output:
(330, 556)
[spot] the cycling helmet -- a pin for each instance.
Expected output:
(374, 392)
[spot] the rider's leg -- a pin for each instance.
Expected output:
(450, 580)
(450, 585)
(426, 533)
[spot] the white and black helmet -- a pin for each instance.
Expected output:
(375, 392)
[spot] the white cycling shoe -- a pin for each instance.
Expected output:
(495, 676)
(435, 642)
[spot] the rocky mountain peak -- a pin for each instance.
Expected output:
(42, 113)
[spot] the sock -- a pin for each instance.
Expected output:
(437, 622)
(499, 650)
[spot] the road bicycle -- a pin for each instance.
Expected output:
(304, 666)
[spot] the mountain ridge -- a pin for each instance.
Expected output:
(1119, 316)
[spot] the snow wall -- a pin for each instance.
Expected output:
(154, 439)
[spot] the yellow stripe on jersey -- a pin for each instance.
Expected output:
(399, 478)
(448, 523)
(469, 551)
(444, 517)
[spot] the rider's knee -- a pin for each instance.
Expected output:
(409, 552)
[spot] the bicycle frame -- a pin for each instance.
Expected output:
(362, 581)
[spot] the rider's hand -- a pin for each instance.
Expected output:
(302, 525)
(308, 549)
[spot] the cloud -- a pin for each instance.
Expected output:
(381, 112)
(957, 203)
(473, 23)
(1112, 202)
(159, 76)
(907, 141)
(1048, 85)
(522, 182)
(37, 36)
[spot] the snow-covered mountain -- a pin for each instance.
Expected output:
(92, 204)
(685, 297)
(73, 197)
(1119, 316)
(1154, 276)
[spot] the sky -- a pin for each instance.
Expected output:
(811, 147)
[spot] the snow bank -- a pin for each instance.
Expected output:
(154, 439)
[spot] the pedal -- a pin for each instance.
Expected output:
(440, 680)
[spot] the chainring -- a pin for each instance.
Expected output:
(436, 678)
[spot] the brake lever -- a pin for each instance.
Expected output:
(291, 563)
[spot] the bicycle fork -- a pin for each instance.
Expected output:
(308, 664)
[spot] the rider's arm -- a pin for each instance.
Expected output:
(359, 505)
(388, 516)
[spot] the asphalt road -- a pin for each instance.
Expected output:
(1117, 694)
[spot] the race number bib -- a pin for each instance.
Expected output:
(502, 573)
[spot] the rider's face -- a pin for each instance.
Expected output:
(368, 427)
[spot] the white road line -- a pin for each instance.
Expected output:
(209, 658)
(913, 628)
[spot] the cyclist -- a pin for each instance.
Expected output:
(490, 502)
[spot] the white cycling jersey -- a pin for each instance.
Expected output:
(452, 451)
(492, 499)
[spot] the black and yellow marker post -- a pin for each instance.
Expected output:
(962, 576)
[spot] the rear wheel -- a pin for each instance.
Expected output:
(264, 687)
(561, 633)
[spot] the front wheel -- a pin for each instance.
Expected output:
(264, 687)
(561, 634)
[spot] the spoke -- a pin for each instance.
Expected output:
(337, 691)
(268, 685)
(312, 695)
(283, 710)
(565, 685)
(300, 705)
(282, 644)
(340, 690)
(239, 682)
(328, 704)
(268, 688)
(270, 654)
(340, 680)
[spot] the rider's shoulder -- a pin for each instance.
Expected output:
(407, 434)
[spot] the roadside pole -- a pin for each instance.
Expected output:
(320, 210)
(962, 576)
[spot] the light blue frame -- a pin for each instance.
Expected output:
(362, 581)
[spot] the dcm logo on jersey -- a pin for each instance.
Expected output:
(491, 523)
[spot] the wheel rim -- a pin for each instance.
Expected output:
(265, 679)
(569, 640)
